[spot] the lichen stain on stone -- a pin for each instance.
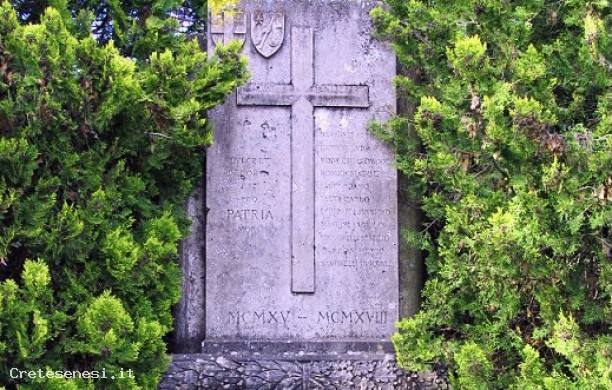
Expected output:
(218, 5)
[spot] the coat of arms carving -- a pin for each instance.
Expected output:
(227, 25)
(267, 32)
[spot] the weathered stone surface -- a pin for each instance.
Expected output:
(297, 371)
(302, 226)
(189, 316)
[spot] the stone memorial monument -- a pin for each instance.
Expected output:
(297, 286)
(302, 221)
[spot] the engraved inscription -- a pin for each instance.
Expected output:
(356, 237)
(341, 173)
(250, 160)
(357, 264)
(249, 215)
(332, 211)
(339, 186)
(252, 230)
(318, 96)
(347, 148)
(346, 199)
(261, 317)
(252, 221)
(302, 95)
(353, 317)
(243, 200)
(352, 160)
(284, 317)
(353, 239)
(358, 224)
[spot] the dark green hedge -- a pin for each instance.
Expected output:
(98, 152)
(514, 169)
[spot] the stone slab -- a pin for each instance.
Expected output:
(189, 313)
(302, 236)
(363, 370)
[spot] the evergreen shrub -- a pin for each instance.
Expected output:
(99, 149)
(513, 169)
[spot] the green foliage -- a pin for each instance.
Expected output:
(98, 152)
(137, 27)
(514, 169)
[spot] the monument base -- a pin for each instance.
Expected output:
(295, 365)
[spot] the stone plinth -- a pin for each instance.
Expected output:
(321, 366)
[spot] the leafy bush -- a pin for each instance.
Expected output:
(98, 152)
(514, 169)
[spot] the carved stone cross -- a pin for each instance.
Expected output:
(303, 95)
(227, 25)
